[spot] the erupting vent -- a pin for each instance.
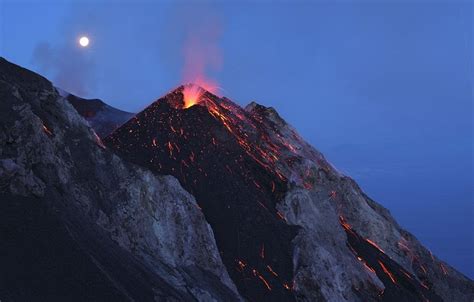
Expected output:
(191, 95)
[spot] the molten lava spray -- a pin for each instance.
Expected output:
(202, 54)
(192, 94)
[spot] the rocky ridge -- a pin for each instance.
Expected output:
(78, 223)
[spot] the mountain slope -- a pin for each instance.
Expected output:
(288, 225)
(79, 224)
(236, 195)
(102, 117)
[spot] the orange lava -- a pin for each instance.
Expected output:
(389, 274)
(366, 265)
(241, 264)
(374, 245)
(192, 95)
(267, 285)
(344, 224)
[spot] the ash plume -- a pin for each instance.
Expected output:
(202, 53)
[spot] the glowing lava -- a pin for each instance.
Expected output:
(193, 92)
(192, 95)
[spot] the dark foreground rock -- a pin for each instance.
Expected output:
(79, 224)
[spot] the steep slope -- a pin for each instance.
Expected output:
(102, 118)
(287, 224)
(79, 224)
(319, 190)
(237, 196)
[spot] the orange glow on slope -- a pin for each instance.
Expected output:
(368, 268)
(374, 245)
(389, 274)
(265, 282)
(241, 264)
(366, 265)
(47, 131)
(344, 224)
(98, 141)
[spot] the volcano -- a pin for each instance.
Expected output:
(192, 199)
(206, 148)
(287, 224)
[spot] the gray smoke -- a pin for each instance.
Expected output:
(72, 68)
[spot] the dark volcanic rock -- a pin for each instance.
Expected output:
(102, 118)
(237, 195)
(288, 225)
(400, 285)
(79, 224)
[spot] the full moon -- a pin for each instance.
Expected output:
(84, 41)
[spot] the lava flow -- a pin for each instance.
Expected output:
(400, 285)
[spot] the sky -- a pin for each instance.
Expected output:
(383, 88)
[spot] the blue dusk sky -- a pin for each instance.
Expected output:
(383, 88)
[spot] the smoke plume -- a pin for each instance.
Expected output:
(72, 69)
(202, 55)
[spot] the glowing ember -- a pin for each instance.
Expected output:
(242, 264)
(406, 274)
(389, 274)
(374, 245)
(368, 267)
(344, 224)
(265, 282)
(47, 131)
(272, 271)
(280, 215)
(192, 95)
(98, 141)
